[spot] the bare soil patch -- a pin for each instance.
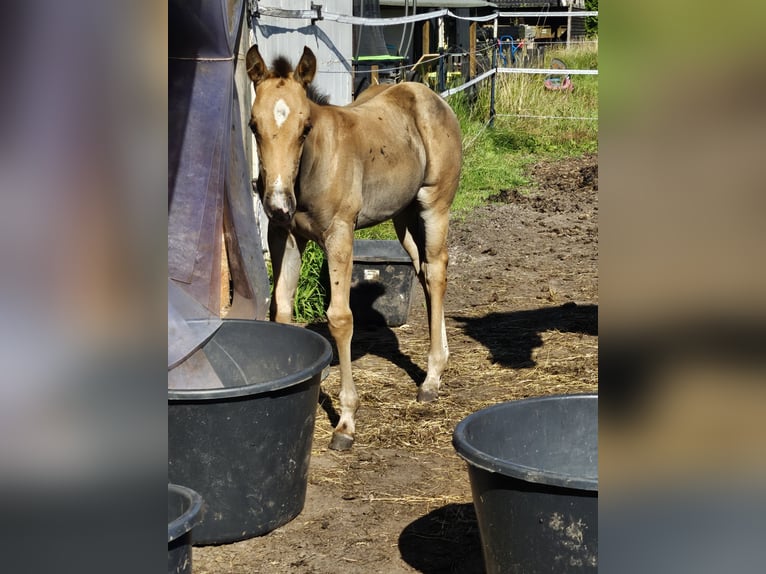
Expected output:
(521, 313)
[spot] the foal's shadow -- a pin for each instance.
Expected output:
(372, 335)
(512, 337)
(446, 540)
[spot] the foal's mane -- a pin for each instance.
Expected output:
(316, 96)
(281, 68)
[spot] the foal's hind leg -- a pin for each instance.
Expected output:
(434, 268)
(424, 236)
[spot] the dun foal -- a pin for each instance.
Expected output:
(327, 170)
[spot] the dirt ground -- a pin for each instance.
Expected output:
(521, 312)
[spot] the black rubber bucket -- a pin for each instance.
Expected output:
(381, 282)
(184, 507)
(245, 446)
(533, 467)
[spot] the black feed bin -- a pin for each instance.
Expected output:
(381, 282)
(184, 506)
(244, 440)
(533, 467)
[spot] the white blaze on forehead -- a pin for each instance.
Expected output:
(281, 111)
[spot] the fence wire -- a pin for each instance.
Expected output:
(534, 117)
(469, 143)
(316, 14)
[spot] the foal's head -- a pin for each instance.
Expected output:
(280, 120)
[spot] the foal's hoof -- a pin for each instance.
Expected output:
(341, 441)
(427, 395)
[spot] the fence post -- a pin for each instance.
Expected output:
(442, 70)
(472, 51)
(492, 87)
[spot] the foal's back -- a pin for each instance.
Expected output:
(408, 141)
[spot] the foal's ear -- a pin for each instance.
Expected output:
(307, 67)
(256, 67)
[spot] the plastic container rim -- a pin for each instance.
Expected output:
(190, 518)
(485, 461)
(315, 369)
(370, 251)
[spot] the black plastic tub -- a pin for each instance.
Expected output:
(533, 467)
(184, 506)
(244, 444)
(381, 282)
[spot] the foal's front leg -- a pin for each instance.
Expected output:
(339, 247)
(286, 251)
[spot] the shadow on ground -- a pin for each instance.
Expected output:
(445, 540)
(512, 337)
(371, 333)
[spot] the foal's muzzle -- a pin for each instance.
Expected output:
(281, 217)
(280, 207)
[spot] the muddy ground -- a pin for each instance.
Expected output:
(521, 315)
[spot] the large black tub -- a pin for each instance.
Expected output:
(184, 507)
(533, 467)
(244, 443)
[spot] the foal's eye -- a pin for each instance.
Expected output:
(306, 130)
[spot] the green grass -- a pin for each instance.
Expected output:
(309, 305)
(383, 230)
(495, 158)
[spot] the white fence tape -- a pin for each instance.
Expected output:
(491, 17)
(583, 13)
(529, 116)
(548, 71)
(468, 84)
(344, 19)
(386, 21)
(318, 14)
(490, 73)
